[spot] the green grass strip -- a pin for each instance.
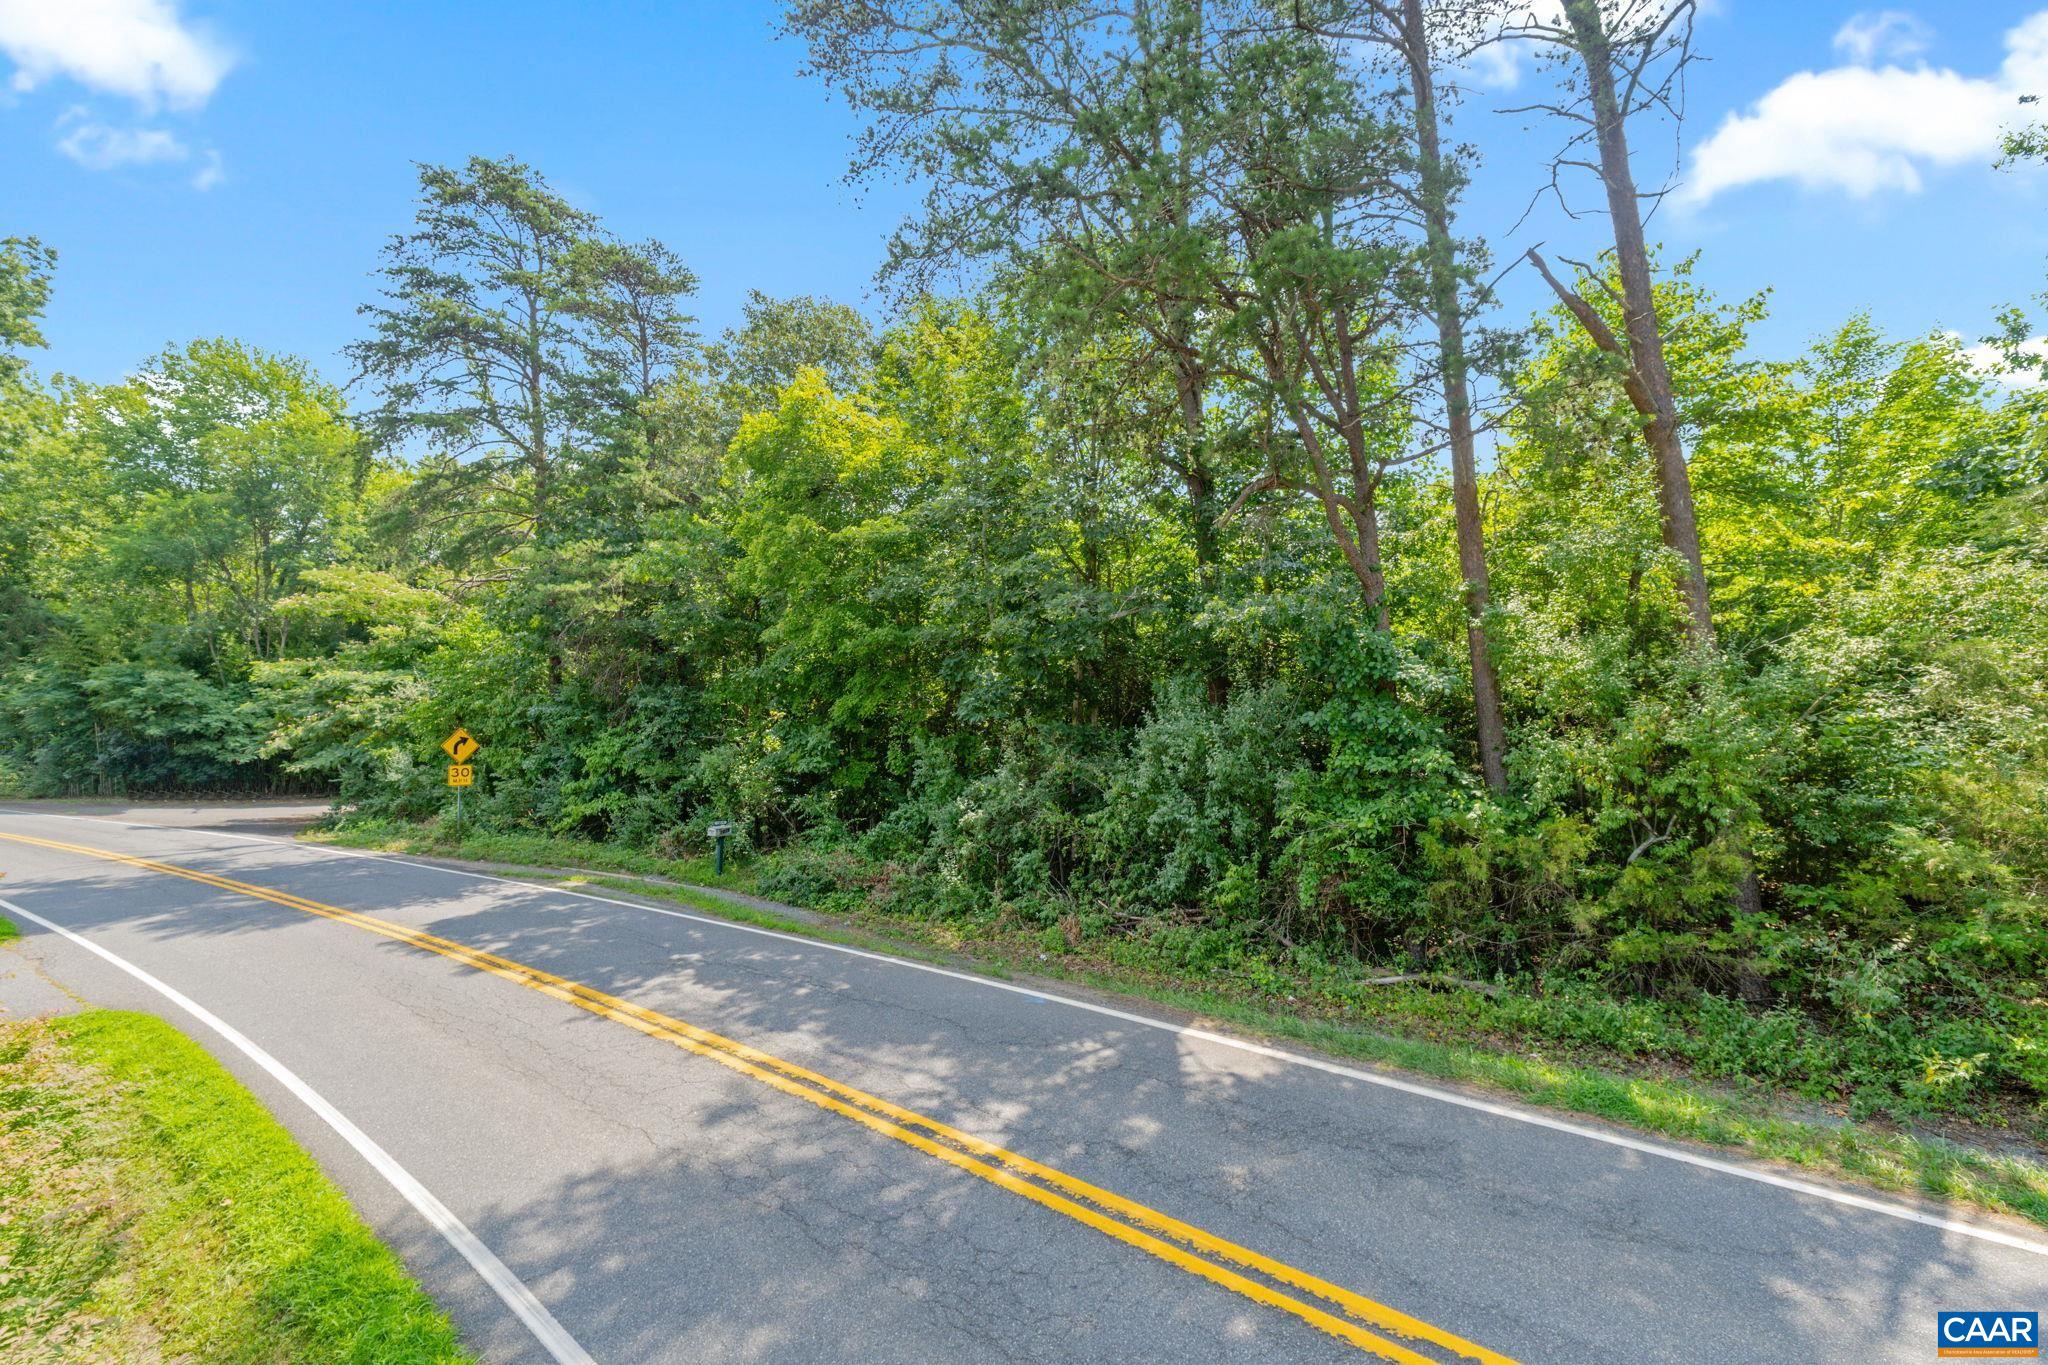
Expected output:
(171, 1214)
(533, 850)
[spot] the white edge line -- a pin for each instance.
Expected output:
(550, 1333)
(1518, 1115)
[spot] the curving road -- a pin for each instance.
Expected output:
(602, 1130)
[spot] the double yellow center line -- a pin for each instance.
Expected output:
(1372, 1326)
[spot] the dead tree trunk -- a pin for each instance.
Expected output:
(1644, 353)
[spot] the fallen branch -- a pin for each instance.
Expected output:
(1434, 979)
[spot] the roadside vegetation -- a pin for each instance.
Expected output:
(1225, 592)
(151, 1209)
(1591, 1056)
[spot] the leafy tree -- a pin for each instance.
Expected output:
(1196, 176)
(1422, 40)
(777, 340)
(25, 268)
(1312, 287)
(26, 417)
(513, 343)
(529, 354)
(2028, 142)
(236, 472)
(1073, 146)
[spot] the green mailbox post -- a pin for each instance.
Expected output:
(720, 831)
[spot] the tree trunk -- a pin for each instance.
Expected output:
(1489, 725)
(1646, 350)
(1645, 341)
(1201, 493)
(1195, 477)
(1354, 521)
(1188, 373)
(1366, 517)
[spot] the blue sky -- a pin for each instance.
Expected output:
(211, 167)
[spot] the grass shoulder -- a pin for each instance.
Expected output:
(154, 1209)
(524, 849)
(1537, 1051)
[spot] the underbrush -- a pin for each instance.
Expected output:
(1914, 1043)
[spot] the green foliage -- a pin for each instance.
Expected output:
(948, 617)
(1196, 810)
(777, 340)
(2026, 142)
(163, 523)
(25, 268)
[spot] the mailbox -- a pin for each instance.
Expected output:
(720, 831)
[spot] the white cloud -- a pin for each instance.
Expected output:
(210, 173)
(1863, 129)
(140, 49)
(1891, 34)
(1495, 66)
(1496, 63)
(1989, 361)
(98, 147)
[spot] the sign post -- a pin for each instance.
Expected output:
(462, 747)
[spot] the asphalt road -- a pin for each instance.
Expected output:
(691, 1153)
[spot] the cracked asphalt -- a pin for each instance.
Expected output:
(665, 1208)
